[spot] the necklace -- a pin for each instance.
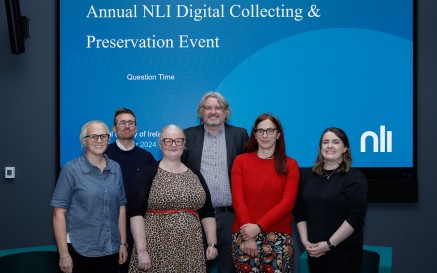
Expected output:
(331, 173)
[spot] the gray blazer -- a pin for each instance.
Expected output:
(236, 137)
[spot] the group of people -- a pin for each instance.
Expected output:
(218, 195)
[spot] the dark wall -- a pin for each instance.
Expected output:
(28, 142)
(28, 137)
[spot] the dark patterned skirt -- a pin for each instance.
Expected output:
(275, 251)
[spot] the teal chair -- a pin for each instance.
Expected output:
(214, 268)
(25, 262)
(376, 259)
(44, 259)
(370, 262)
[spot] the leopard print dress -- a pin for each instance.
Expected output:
(174, 240)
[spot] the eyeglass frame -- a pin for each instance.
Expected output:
(260, 132)
(173, 141)
(129, 123)
(211, 108)
(90, 137)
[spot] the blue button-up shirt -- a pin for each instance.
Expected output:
(92, 199)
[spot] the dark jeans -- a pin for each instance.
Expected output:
(224, 244)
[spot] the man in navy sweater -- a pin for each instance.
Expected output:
(131, 159)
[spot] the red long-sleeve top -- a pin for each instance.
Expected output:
(261, 196)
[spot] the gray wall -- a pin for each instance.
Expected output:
(28, 137)
(29, 134)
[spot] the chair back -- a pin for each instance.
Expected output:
(34, 261)
(370, 262)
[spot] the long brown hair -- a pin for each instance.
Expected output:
(279, 154)
(346, 161)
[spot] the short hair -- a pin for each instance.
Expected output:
(172, 126)
(221, 100)
(84, 130)
(123, 110)
(346, 161)
(279, 154)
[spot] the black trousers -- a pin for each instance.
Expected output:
(103, 264)
(343, 259)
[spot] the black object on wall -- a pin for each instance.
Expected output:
(392, 184)
(18, 26)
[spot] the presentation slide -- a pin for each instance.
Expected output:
(312, 63)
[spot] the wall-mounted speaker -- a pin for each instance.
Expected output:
(18, 26)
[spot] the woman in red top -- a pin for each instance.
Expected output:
(264, 189)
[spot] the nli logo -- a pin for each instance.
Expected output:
(382, 143)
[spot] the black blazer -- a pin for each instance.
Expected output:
(236, 137)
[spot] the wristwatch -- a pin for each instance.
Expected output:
(331, 246)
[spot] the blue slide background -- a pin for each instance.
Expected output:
(352, 67)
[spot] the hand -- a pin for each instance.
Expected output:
(122, 254)
(144, 260)
(249, 231)
(318, 249)
(211, 253)
(307, 245)
(250, 248)
(66, 264)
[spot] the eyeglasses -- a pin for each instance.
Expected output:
(269, 131)
(94, 137)
(128, 123)
(177, 141)
(210, 108)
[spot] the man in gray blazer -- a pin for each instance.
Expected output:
(211, 149)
